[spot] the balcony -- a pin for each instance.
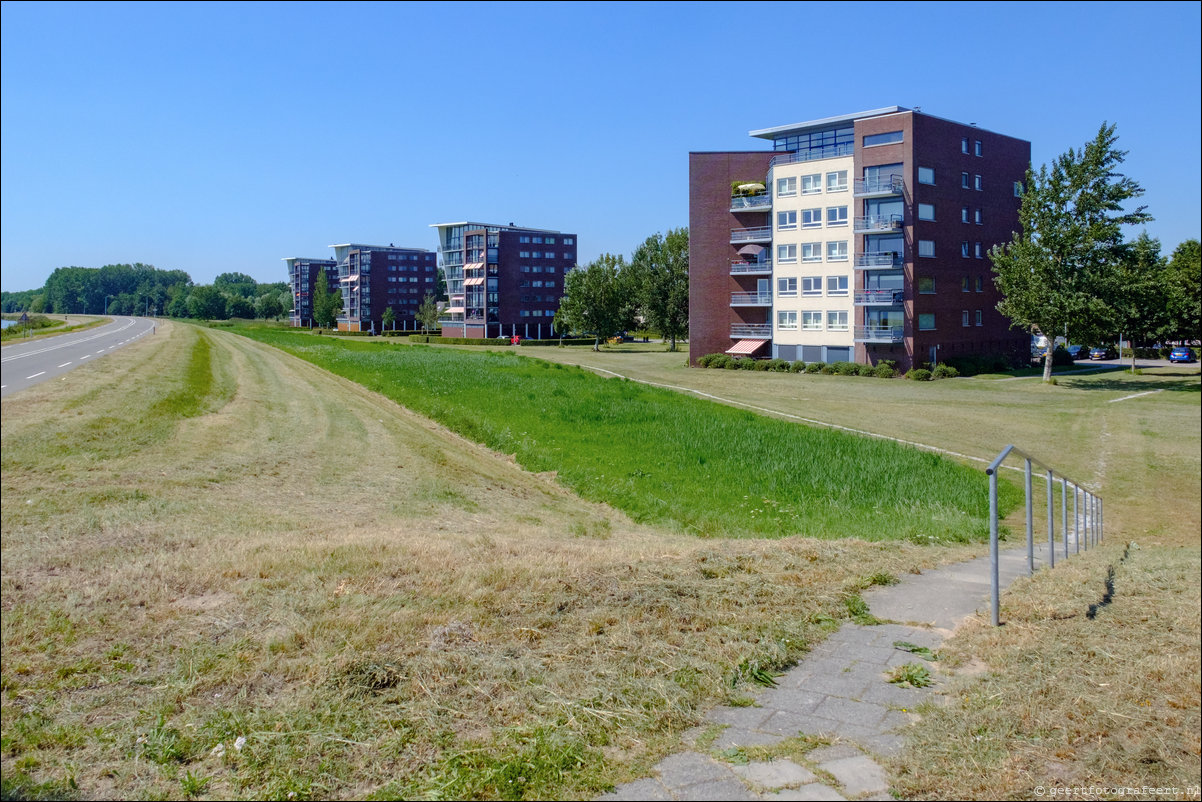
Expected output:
(760, 202)
(751, 299)
(880, 334)
(744, 268)
(881, 260)
(879, 297)
(882, 187)
(877, 223)
(813, 154)
(739, 331)
(758, 234)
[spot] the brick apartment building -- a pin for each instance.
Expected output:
(302, 275)
(502, 280)
(373, 278)
(859, 237)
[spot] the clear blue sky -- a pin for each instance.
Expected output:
(217, 137)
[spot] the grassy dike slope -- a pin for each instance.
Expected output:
(205, 539)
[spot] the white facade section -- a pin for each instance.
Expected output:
(813, 253)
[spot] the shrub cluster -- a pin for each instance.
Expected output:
(940, 371)
(885, 369)
(1153, 353)
(437, 340)
(973, 364)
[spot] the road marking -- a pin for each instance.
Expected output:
(1136, 395)
(64, 364)
(85, 356)
(34, 376)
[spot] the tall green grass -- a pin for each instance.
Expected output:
(666, 458)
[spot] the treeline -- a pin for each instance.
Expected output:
(139, 289)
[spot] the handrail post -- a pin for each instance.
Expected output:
(993, 555)
(1064, 512)
(1101, 521)
(1077, 517)
(1051, 523)
(1030, 523)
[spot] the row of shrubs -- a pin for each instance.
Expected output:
(974, 364)
(885, 369)
(430, 338)
(1152, 353)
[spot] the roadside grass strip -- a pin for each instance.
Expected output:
(665, 458)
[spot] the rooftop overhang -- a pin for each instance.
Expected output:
(825, 122)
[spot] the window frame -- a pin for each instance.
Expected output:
(811, 286)
(840, 217)
(815, 180)
(926, 317)
(787, 214)
(842, 286)
(842, 320)
(785, 258)
(924, 285)
(811, 320)
(926, 245)
(836, 174)
(783, 289)
(784, 182)
(930, 170)
(926, 206)
(839, 254)
(782, 316)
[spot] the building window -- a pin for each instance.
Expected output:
(976, 147)
(926, 285)
(549, 240)
(926, 247)
(926, 211)
(786, 287)
(786, 186)
(926, 175)
(786, 220)
(523, 238)
(811, 218)
(811, 184)
(976, 216)
(979, 254)
(811, 285)
(836, 321)
(980, 319)
(836, 215)
(811, 252)
(926, 321)
(963, 214)
(569, 240)
(976, 183)
(980, 284)
(786, 253)
(836, 285)
(964, 144)
(964, 249)
(836, 251)
(524, 254)
(836, 181)
(539, 240)
(786, 320)
(965, 284)
(887, 138)
(964, 181)
(811, 321)
(964, 318)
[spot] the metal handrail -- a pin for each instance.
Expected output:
(878, 222)
(759, 200)
(812, 154)
(1087, 515)
(755, 298)
(750, 234)
(893, 184)
(751, 267)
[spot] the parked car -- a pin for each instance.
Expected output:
(1103, 352)
(1077, 351)
(1181, 355)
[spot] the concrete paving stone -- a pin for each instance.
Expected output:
(895, 720)
(863, 653)
(789, 725)
(790, 700)
(734, 738)
(856, 634)
(687, 768)
(900, 658)
(862, 714)
(815, 792)
(886, 745)
(858, 775)
(825, 754)
(839, 729)
(916, 635)
(775, 774)
(747, 718)
(689, 737)
(638, 790)
(716, 790)
(840, 683)
(886, 693)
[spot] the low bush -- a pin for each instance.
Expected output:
(943, 371)
(828, 370)
(883, 371)
(760, 364)
(815, 367)
(797, 366)
(919, 374)
(846, 368)
(778, 365)
(865, 370)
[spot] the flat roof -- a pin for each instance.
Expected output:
(501, 226)
(307, 259)
(362, 247)
(775, 131)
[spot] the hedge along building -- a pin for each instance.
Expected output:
(859, 237)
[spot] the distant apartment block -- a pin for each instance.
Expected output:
(502, 279)
(859, 238)
(373, 278)
(302, 275)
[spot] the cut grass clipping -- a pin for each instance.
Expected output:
(665, 458)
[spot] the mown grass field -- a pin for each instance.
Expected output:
(205, 540)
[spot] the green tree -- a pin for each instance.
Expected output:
(387, 319)
(1183, 280)
(1139, 299)
(268, 305)
(1059, 272)
(206, 303)
(659, 272)
(427, 313)
(597, 299)
(326, 304)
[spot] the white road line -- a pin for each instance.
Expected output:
(34, 376)
(1136, 395)
(64, 364)
(85, 356)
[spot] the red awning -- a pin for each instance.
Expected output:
(745, 347)
(472, 281)
(473, 266)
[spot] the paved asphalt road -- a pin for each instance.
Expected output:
(25, 364)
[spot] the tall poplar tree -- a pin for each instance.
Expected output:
(660, 267)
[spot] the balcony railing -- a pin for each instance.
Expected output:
(813, 154)
(880, 334)
(879, 297)
(751, 268)
(751, 299)
(879, 259)
(741, 330)
(882, 186)
(878, 222)
(758, 234)
(744, 203)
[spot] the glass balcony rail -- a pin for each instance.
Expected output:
(880, 185)
(751, 299)
(879, 222)
(812, 154)
(750, 268)
(742, 330)
(742, 203)
(757, 234)
(879, 259)
(879, 297)
(880, 334)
